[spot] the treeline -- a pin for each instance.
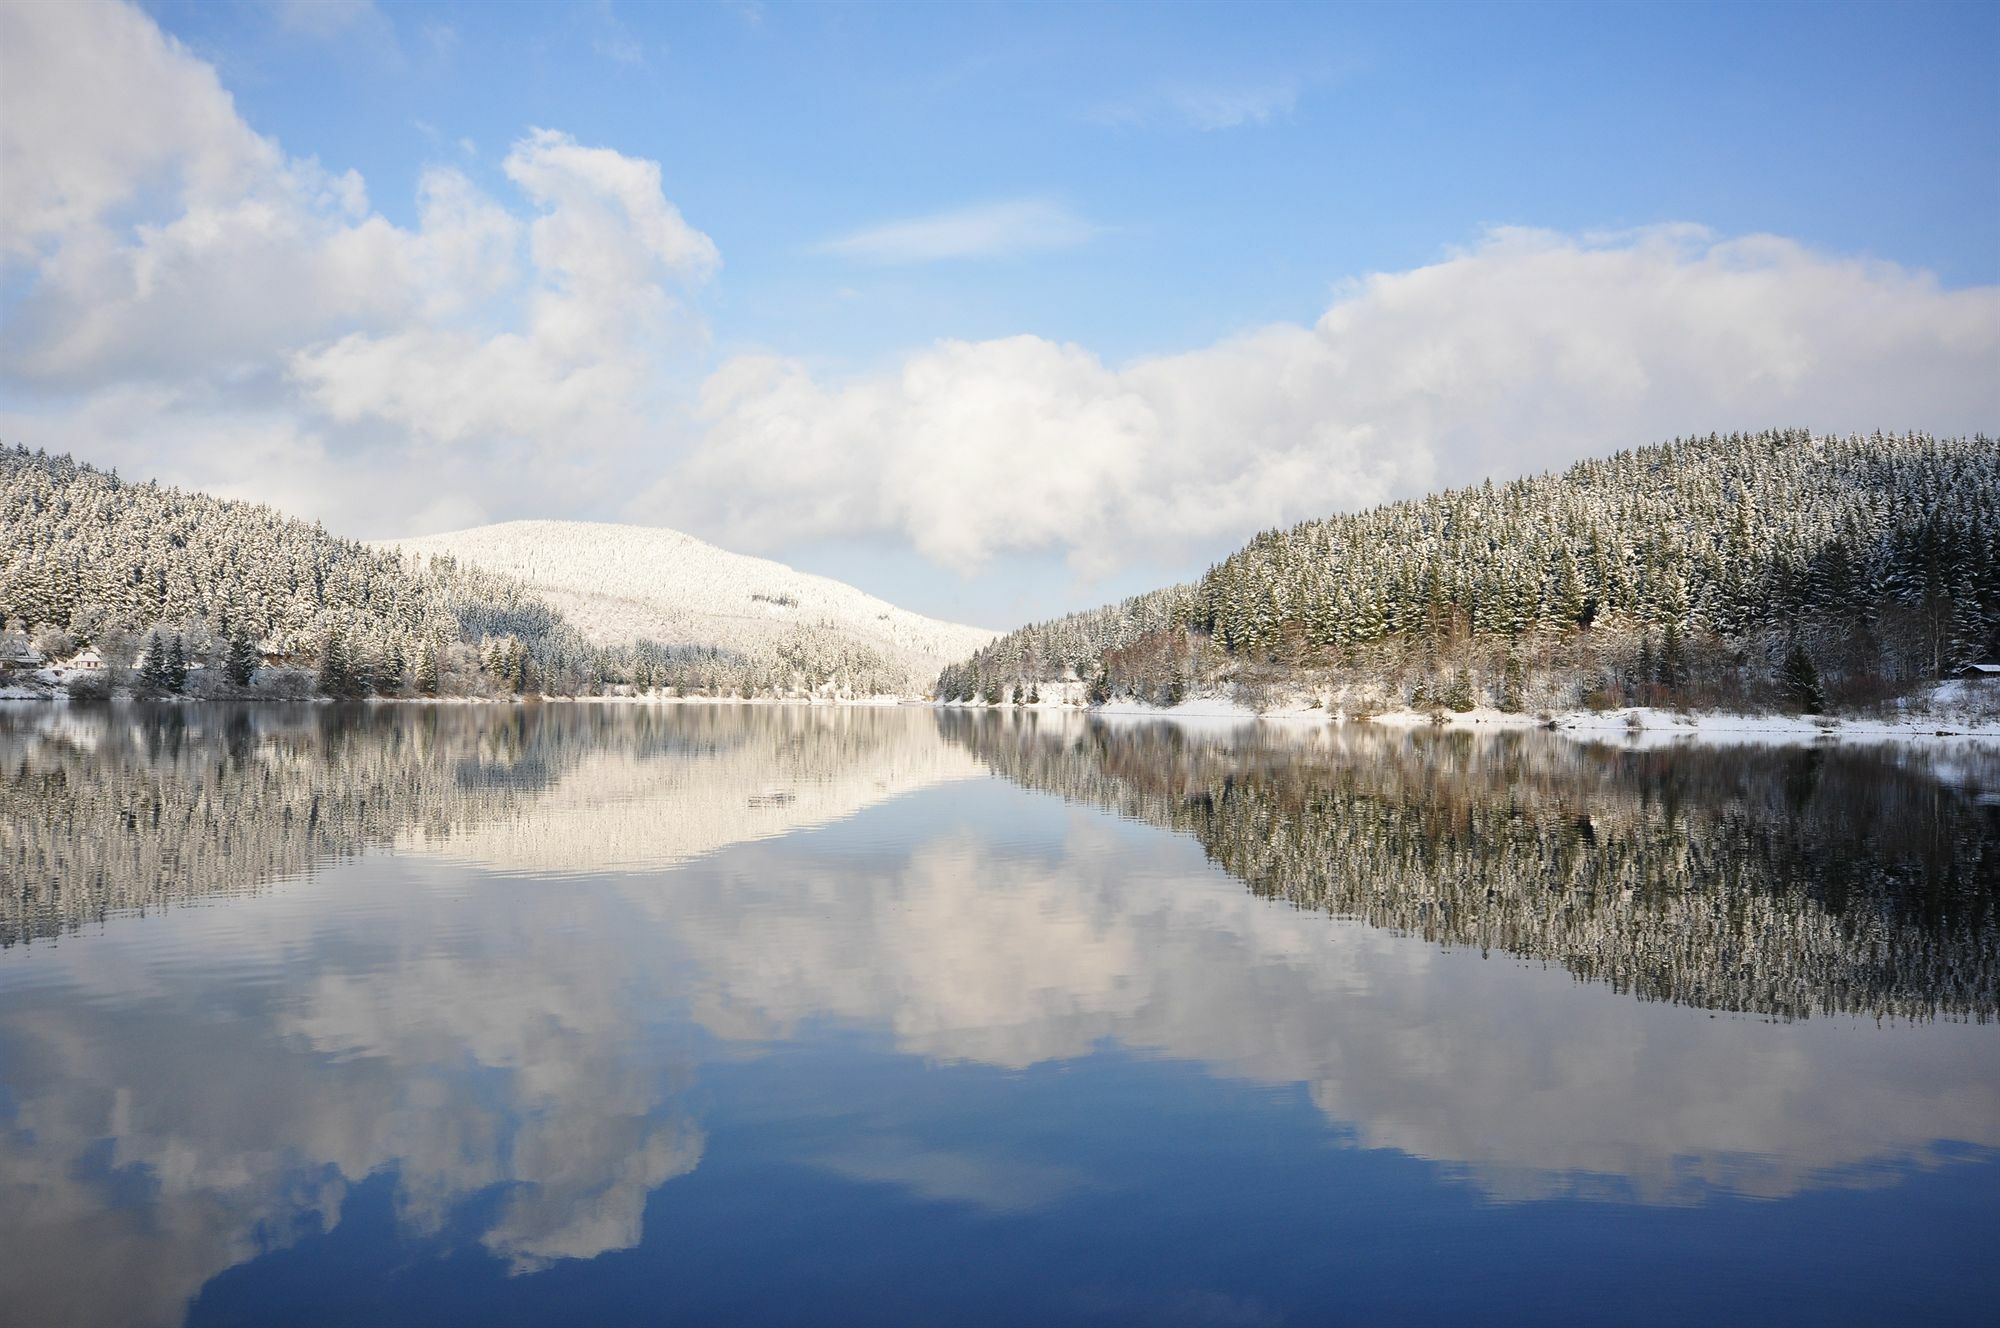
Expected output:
(1788, 882)
(1776, 567)
(181, 592)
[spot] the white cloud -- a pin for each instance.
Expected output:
(1529, 350)
(238, 253)
(1207, 107)
(989, 230)
(101, 108)
(605, 242)
(181, 281)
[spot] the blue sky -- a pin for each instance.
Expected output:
(1390, 133)
(1203, 184)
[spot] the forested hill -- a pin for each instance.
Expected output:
(1780, 564)
(87, 555)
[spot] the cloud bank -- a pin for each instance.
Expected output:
(181, 298)
(1525, 351)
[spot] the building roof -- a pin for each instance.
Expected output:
(1984, 670)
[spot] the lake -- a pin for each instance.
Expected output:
(594, 1014)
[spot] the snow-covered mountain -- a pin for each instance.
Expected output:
(619, 584)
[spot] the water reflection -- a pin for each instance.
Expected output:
(1529, 1084)
(111, 811)
(523, 1061)
(1785, 881)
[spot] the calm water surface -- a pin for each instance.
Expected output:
(587, 1015)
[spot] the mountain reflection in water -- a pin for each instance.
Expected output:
(516, 964)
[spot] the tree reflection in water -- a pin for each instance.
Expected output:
(1784, 881)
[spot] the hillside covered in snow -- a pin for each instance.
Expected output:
(1775, 570)
(626, 586)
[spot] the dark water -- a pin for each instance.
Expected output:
(592, 1015)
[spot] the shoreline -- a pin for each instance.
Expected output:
(1635, 726)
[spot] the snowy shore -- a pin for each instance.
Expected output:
(1949, 714)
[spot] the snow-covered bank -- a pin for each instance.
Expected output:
(1946, 717)
(1636, 726)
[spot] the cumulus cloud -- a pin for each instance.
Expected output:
(990, 230)
(181, 281)
(1525, 351)
(101, 107)
(604, 243)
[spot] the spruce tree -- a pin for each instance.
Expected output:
(1800, 681)
(153, 668)
(240, 663)
(1458, 695)
(337, 676)
(174, 671)
(1673, 657)
(1512, 686)
(389, 670)
(428, 681)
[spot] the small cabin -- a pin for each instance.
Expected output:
(1988, 672)
(86, 660)
(22, 658)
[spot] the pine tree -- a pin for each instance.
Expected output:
(174, 672)
(1967, 644)
(1512, 686)
(388, 671)
(153, 663)
(428, 681)
(337, 675)
(240, 664)
(1458, 694)
(1672, 667)
(1800, 681)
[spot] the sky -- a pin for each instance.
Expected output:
(995, 311)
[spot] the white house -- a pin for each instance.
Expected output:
(86, 660)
